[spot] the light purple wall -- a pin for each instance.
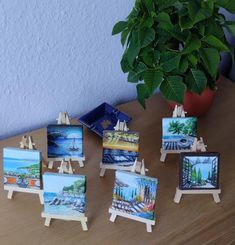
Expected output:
(56, 56)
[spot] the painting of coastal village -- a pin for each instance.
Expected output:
(134, 194)
(178, 133)
(64, 141)
(21, 168)
(120, 148)
(199, 171)
(64, 194)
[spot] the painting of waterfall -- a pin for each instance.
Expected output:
(178, 133)
(134, 194)
(199, 171)
(22, 168)
(64, 142)
(64, 194)
(120, 148)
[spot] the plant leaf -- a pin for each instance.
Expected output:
(146, 36)
(227, 4)
(192, 44)
(211, 59)
(125, 64)
(173, 89)
(216, 43)
(119, 27)
(142, 93)
(152, 79)
(124, 36)
(134, 75)
(134, 48)
(197, 81)
(230, 26)
(170, 61)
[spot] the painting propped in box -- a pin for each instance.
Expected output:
(178, 133)
(64, 194)
(134, 194)
(120, 148)
(199, 171)
(64, 142)
(22, 168)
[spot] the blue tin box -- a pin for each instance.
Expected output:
(103, 117)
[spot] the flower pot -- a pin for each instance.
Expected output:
(11, 180)
(196, 105)
(32, 182)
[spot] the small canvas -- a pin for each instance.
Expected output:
(64, 194)
(22, 168)
(199, 171)
(178, 133)
(64, 142)
(120, 148)
(134, 194)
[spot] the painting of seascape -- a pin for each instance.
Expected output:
(64, 194)
(178, 133)
(120, 148)
(134, 194)
(199, 171)
(22, 168)
(64, 141)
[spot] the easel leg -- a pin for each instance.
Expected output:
(178, 196)
(163, 157)
(102, 172)
(41, 198)
(10, 194)
(47, 222)
(216, 197)
(84, 225)
(113, 217)
(70, 170)
(149, 228)
(50, 165)
(81, 163)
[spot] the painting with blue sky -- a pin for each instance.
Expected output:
(135, 194)
(22, 168)
(64, 194)
(64, 141)
(178, 133)
(199, 171)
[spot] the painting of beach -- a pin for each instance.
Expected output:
(120, 148)
(22, 168)
(199, 171)
(134, 194)
(64, 141)
(64, 194)
(178, 133)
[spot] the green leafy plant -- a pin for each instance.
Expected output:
(174, 45)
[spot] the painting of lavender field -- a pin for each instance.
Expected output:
(178, 133)
(21, 168)
(199, 171)
(64, 141)
(64, 194)
(134, 194)
(120, 148)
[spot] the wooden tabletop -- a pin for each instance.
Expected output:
(196, 220)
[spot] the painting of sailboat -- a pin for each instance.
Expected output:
(64, 194)
(64, 141)
(178, 133)
(120, 148)
(22, 168)
(134, 194)
(199, 171)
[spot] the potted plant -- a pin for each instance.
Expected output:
(175, 46)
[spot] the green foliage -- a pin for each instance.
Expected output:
(176, 127)
(174, 45)
(78, 187)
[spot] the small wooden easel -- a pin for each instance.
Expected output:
(81, 218)
(121, 126)
(114, 213)
(65, 164)
(27, 144)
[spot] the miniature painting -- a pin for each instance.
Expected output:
(64, 194)
(199, 171)
(178, 133)
(134, 194)
(65, 141)
(22, 168)
(120, 148)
